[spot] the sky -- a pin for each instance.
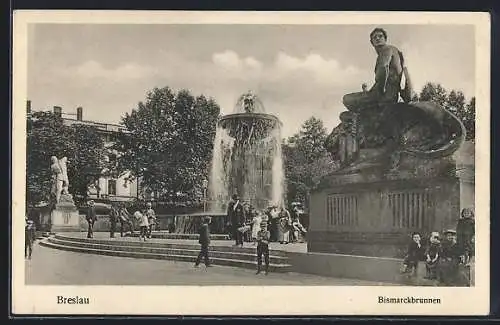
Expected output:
(298, 71)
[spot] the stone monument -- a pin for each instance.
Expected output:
(64, 215)
(397, 173)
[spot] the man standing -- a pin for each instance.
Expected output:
(125, 220)
(389, 69)
(113, 219)
(237, 219)
(150, 213)
(91, 219)
(29, 237)
(204, 241)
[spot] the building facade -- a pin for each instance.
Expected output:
(107, 188)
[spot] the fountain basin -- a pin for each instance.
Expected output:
(255, 125)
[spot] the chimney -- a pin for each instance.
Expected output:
(58, 111)
(28, 107)
(79, 113)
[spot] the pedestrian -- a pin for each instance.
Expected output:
(91, 218)
(432, 255)
(284, 226)
(150, 213)
(237, 213)
(125, 220)
(274, 220)
(29, 237)
(142, 219)
(257, 219)
(414, 255)
(263, 237)
(465, 234)
(204, 241)
(113, 219)
(450, 259)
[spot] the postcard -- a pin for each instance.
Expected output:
(250, 163)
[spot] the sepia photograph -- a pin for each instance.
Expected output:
(232, 156)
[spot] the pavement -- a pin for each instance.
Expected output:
(56, 267)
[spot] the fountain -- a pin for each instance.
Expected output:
(247, 157)
(247, 160)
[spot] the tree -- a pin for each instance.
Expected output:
(47, 136)
(306, 160)
(455, 102)
(169, 139)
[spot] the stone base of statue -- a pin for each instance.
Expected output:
(370, 209)
(65, 216)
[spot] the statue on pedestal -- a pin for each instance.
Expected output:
(382, 123)
(57, 179)
(64, 214)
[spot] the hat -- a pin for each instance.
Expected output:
(263, 224)
(235, 196)
(434, 234)
(450, 231)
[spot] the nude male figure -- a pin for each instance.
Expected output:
(389, 69)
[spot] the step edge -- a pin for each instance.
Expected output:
(246, 262)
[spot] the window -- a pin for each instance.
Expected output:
(112, 187)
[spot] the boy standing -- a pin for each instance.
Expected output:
(91, 219)
(29, 237)
(204, 240)
(263, 237)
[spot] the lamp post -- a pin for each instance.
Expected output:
(205, 185)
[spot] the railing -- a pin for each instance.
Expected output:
(410, 209)
(342, 210)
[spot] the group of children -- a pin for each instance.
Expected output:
(443, 257)
(146, 220)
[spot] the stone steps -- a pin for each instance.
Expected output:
(183, 252)
(189, 245)
(166, 235)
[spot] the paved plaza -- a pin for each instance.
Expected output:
(56, 267)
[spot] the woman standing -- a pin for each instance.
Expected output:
(284, 226)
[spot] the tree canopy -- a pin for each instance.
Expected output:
(169, 139)
(306, 160)
(454, 101)
(47, 136)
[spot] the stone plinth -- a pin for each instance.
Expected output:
(65, 216)
(371, 213)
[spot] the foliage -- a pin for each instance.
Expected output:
(168, 143)
(306, 160)
(455, 102)
(47, 136)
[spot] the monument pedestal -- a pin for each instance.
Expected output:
(372, 213)
(65, 216)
